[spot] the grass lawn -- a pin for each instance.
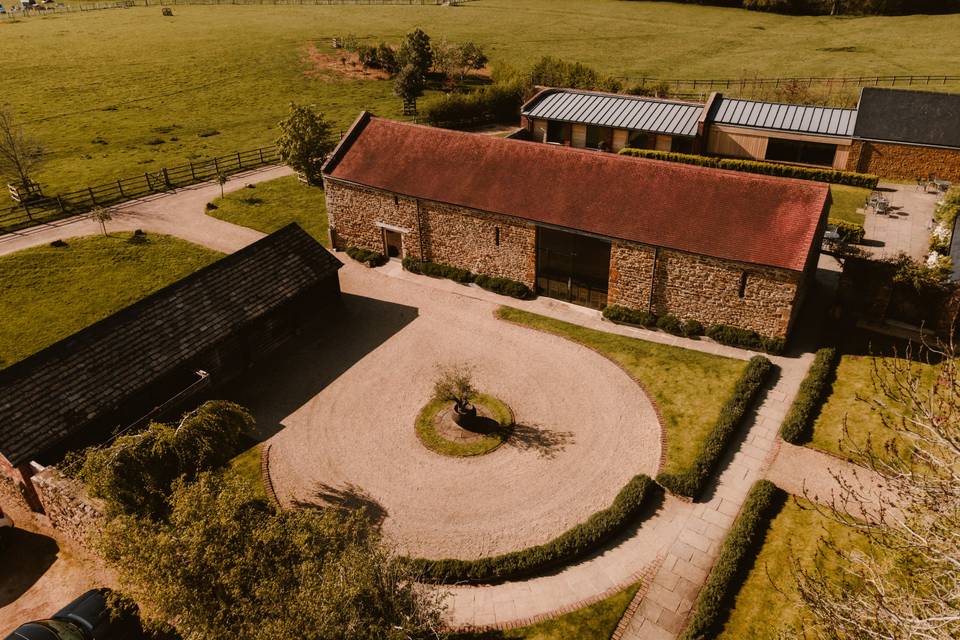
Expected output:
(761, 611)
(688, 386)
(846, 201)
(596, 622)
(493, 438)
(854, 379)
(247, 466)
(47, 293)
(216, 79)
(274, 204)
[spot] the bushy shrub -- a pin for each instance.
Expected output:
(616, 313)
(494, 103)
(797, 425)
(833, 176)
(553, 72)
(851, 232)
(437, 270)
(692, 328)
(734, 562)
(370, 258)
(670, 324)
(136, 472)
(737, 337)
(573, 543)
(691, 481)
(504, 286)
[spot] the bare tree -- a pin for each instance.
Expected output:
(906, 584)
(101, 216)
(221, 180)
(20, 155)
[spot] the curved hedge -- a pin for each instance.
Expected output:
(737, 337)
(865, 180)
(797, 425)
(569, 545)
(736, 558)
(691, 481)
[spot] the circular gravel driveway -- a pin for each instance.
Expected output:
(347, 404)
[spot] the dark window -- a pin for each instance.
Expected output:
(681, 145)
(801, 152)
(642, 140)
(573, 267)
(496, 236)
(599, 137)
(743, 284)
(396, 201)
(558, 132)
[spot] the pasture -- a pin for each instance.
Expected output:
(119, 92)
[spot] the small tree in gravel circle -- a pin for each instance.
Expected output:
(455, 384)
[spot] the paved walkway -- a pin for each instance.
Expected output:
(907, 227)
(178, 213)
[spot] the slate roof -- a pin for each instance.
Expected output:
(913, 117)
(671, 117)
(53, 394)
(793, 118)
(724, 214)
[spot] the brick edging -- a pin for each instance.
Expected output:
(265, 477)
(638, 597)
(643, 388)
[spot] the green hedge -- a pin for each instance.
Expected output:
(798, 424)
(573, 543)
(737, 337)
(849, 231)
(734, 562)
(691, 481)
(616, 313)
(864, 180)
(372, 258)
(670, 324)
(503, 286)
(494, 103)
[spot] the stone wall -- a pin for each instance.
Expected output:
(68, 506)
(706, 289)
(355, 214)
(631, 272)
(480, 242)
(904, 162)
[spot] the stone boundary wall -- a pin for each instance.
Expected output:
(71, 510)
(903, 161)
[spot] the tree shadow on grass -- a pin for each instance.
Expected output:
(545, 442)
(349, 497)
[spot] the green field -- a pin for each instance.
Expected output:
(119, 92)
(48, 293)
(275, 204)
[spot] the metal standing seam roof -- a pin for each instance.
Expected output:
(824, 121)
(621, 112)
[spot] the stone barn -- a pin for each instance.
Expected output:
(151, 358)
(590, 228)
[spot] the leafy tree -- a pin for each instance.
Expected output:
(136, 472)
(227, 565)
(387, 58)
(409, 83)
(415, 50)
(102, 216)
(454, 383)
(906, 584)
(306, 138)
(20, 155)
(454, 60)
(221, 180)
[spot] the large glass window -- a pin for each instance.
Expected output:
(573, 267)
(642, 140)
(681, 145)
(801, 152)
(599, 137)
(558, 132)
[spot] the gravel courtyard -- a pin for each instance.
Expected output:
(341, 411)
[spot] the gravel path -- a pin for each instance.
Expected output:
(585, 427)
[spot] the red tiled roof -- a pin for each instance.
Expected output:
(723, 214)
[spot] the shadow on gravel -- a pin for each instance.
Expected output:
(25, 557)
(349, 497)
(545, 442)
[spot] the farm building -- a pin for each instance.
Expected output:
(593, 120)
(894, 133)
(149, 359)
(594, 229)
(907, 134)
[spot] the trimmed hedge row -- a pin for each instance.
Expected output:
(797, 425)
(691, 481)
(503, 286)
(371, 258)
(668, 323)
(849, 231)
(573, 543)
(493, 103)
(737, 337)
(833, 176)
(736, 559)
